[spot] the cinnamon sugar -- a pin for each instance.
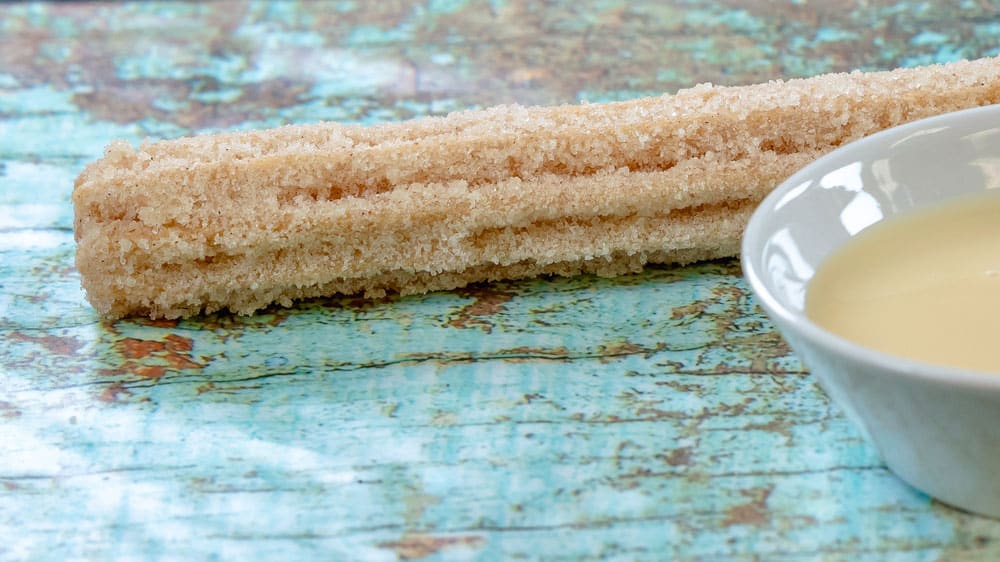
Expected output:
(242, 220)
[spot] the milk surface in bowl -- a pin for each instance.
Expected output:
(924, 285)
(935, 426)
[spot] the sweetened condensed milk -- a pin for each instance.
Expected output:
(924, 285)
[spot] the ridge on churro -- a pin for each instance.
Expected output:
(241, 220)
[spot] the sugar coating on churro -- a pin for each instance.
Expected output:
(242, 220)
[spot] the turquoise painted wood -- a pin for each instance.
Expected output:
(653, 417)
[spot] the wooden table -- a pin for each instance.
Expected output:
(656, 416)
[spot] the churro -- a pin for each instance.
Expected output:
(242, 220)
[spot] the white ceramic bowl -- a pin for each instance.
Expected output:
(937, 428)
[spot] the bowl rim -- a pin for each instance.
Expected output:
(804, 327)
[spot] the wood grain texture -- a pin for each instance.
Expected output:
(656, 416)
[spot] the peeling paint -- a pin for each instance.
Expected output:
(420, 546)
